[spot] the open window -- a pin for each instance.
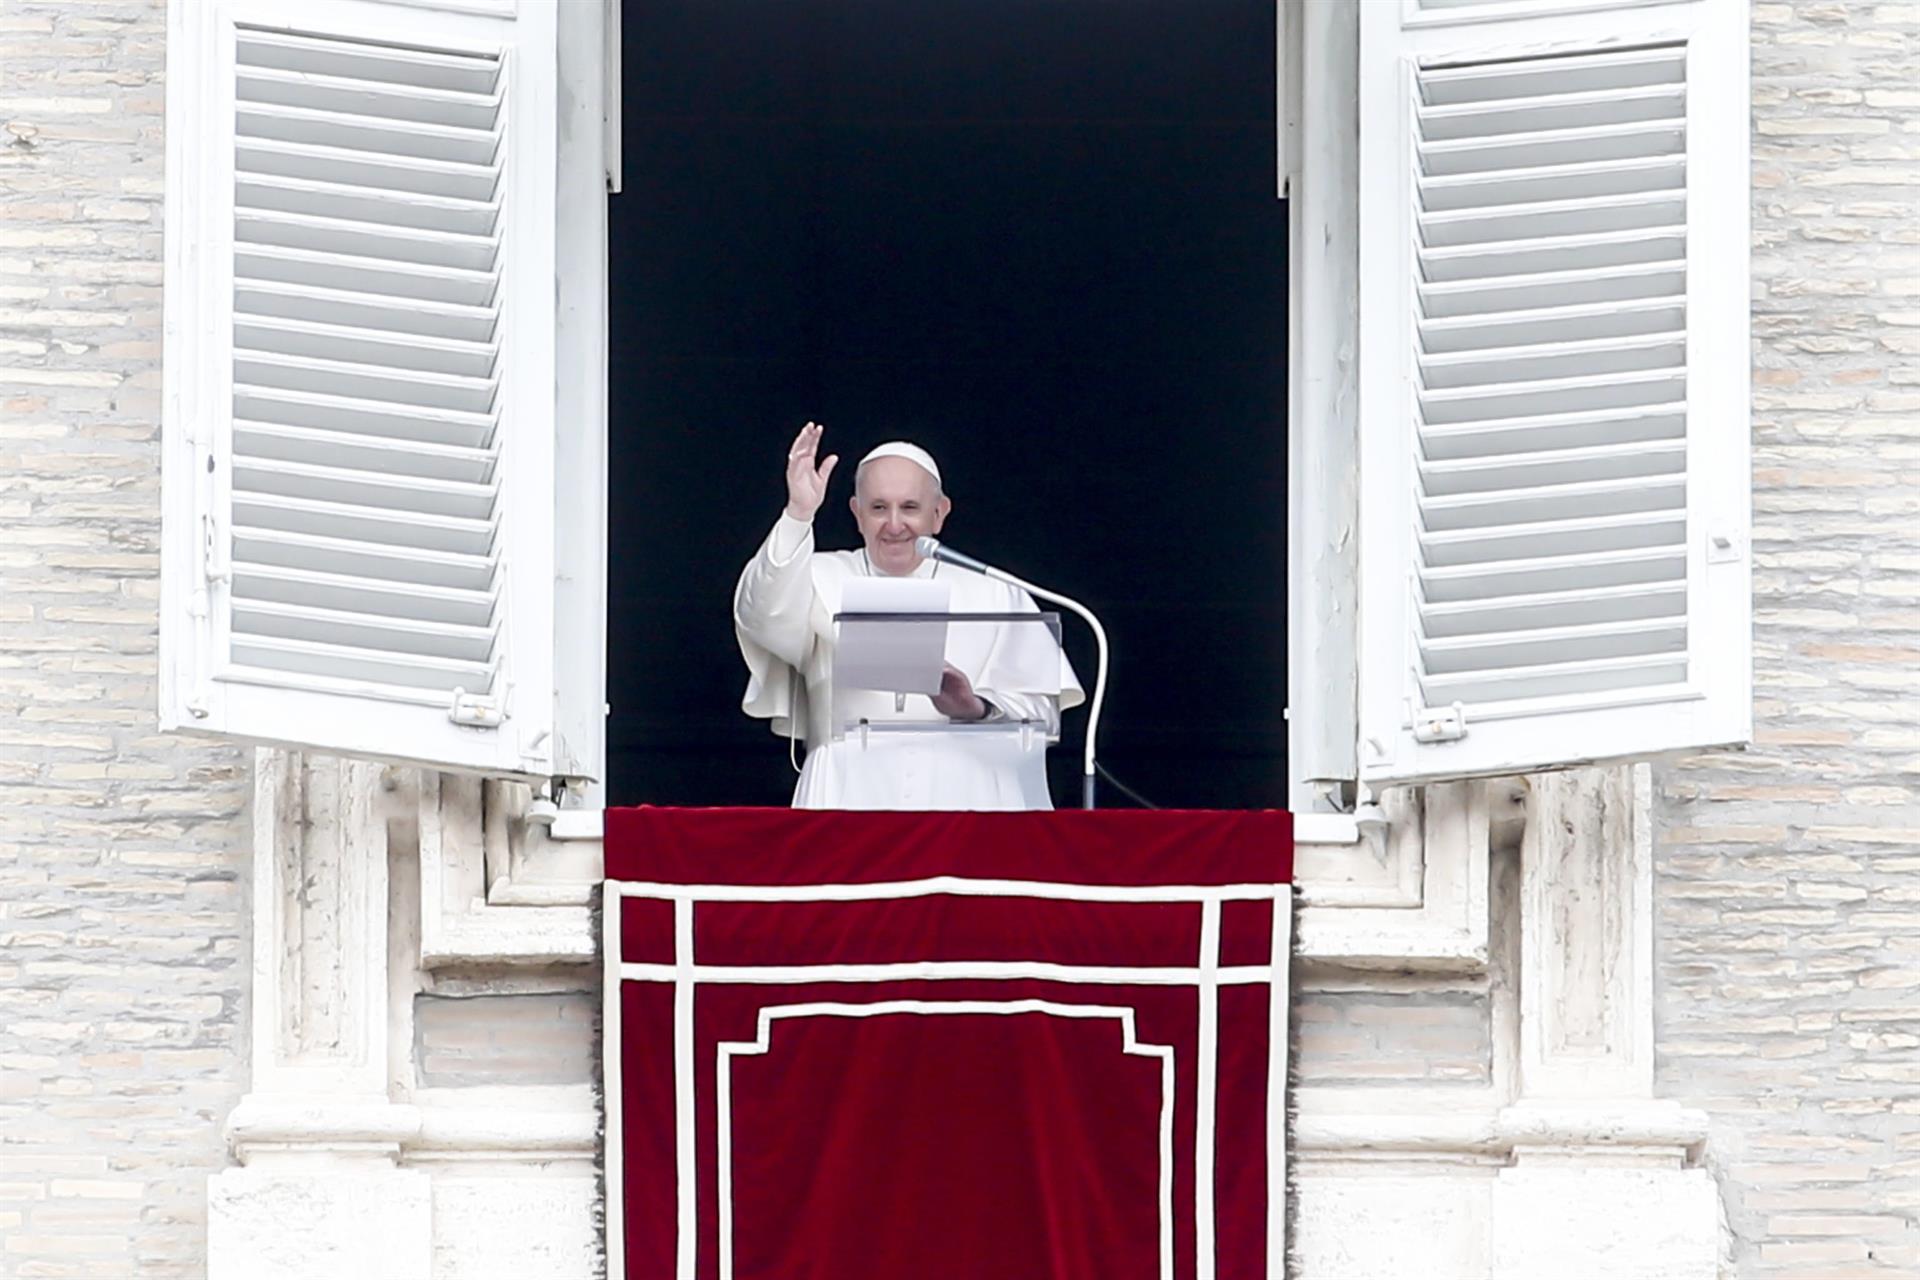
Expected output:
(1043, 240)
(387, 425)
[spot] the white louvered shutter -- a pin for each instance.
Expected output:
(359, 503)
(1553, 383)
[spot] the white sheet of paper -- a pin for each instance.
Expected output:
(893, 657)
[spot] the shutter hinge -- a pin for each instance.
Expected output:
(1440, 724)
(213, 565)
(477, 710)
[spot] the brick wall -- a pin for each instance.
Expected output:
(1789, 876)
(123, 907)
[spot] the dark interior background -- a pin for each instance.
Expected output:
(1039, 237)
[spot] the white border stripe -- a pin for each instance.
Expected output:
(612, 1040)
(685, 1171)
(947, 970)
(959, 885)
(1206, 1071)
(1279, 1049)
(764, 1040)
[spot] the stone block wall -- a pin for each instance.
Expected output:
(537, 1038)
(123, 854)
(1788, 890)
(1391, 1031)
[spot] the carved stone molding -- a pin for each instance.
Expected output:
(1411, 898)
(319, 938)
(474, 838)
(1586, 927)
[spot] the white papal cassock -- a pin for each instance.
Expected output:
(783, 614)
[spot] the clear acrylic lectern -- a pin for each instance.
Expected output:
(886, 666)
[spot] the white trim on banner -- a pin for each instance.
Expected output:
(1129, 1042)
(959, 886)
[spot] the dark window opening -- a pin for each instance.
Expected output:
(1040, 238)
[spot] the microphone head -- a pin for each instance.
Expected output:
(926, 547)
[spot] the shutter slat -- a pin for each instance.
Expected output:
(1518, 471)
(1467, 655)
(348, 202)
(404, 69)
(1499, 508)
(349, 593)
(1554, 395)
(304, 125)
(349, 665)
(1489, 219)
(414, 636)
(1495, 692)
(356, 310)
(1566, 323)
(460, 185)
(1544, 116)
(262, 87)
(1578, 430)
(1538, 362)
(1580, 536)
(1536, 78)
(1554, 181)
(1441, 302)
(348, 558)
(406, 246)
(1554, 608)
(1472, 585)
(426, 424)
(425, 495)
(1561, 147)
(1485, 264)
(423, 388)
(415, 350)
(262, 266)
(333, 448)
(363, 524)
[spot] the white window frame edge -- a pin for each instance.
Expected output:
(580, 403)
(1320, 138)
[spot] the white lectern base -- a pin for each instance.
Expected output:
(943, 766)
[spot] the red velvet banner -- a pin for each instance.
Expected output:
(896, 1046)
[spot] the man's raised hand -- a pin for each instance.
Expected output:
(806, 483)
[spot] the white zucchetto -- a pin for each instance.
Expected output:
(902, 449)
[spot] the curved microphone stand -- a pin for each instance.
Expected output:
(934, 549)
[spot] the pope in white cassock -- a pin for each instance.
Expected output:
(783, 612)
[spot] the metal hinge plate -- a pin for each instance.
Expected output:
(1440, 724)
(475, 710)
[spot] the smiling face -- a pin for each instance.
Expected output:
(894, 502)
